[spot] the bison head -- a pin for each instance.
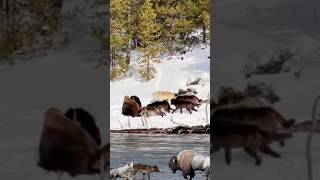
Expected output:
(173, 164)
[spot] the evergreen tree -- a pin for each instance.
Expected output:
(120, 37)
(148, 33)
(153, 25)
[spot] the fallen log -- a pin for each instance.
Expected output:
(174, 130)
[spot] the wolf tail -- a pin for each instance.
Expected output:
(279, 135)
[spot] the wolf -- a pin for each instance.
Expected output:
(188, 92)
(250, 137)
(161, 104)
(266, 118)
(145, 170)
(146, 112)
(122, 172)
(192, 98)
(151, 111)
(163, 95)
(179, 104)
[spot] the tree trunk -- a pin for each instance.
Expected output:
(204, 34)
(148, 70)
(128, 56)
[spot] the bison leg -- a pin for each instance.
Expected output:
(267, 150)
(128, 122)
(191, 174)
(253, 152)
(185, 174)
(228, 155)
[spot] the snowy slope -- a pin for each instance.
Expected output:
(264, 27)
(60, 79)
(172, 74)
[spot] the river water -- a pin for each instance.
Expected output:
(155, 150)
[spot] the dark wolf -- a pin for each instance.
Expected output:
(161, 104)
(249, 137)
(266, 118)
(180, 104)
(192, 98)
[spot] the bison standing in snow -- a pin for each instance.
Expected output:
(86, 121)
(130, 107)
(66, 147)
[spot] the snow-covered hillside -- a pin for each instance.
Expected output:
(173, 73)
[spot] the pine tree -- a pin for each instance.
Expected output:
(148, 33)
(120, 37)
(203, 20)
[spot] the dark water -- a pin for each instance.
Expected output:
(155, 150)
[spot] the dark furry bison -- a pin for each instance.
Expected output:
(86, 121)
(67, 147)
(130, 107)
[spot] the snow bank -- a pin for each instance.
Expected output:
(172, 74)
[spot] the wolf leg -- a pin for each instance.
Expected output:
(194, 109)
(281, 142)
(267, 150)
(59, 174)
(189, 110)
(174, 110)
(228, 155)
(253, 152)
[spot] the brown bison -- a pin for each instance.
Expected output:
(66, 147)
(130, 107)
(86, 121)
